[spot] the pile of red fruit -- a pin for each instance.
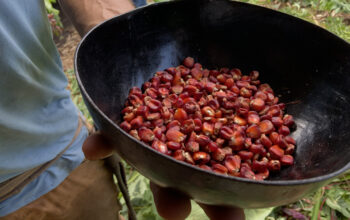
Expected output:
(218, 120)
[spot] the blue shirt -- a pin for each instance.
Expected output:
(37, 116)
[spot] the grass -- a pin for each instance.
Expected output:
(328, 203)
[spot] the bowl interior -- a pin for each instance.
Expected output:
(306, 66)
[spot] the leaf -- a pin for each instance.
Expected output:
(339, 200)
(316, 208)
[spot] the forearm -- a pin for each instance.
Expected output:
(85, 14)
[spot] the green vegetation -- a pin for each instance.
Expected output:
(329, 202)
(54, 17)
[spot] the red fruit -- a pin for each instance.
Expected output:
(190, 107)
(245, 155)
(247, 173)
(260, 166)
(188, 158)
(177, 89)
(274, 165)
(192, 146)
(135, 90)
(257, 104)
(253, 118)
(174, 123)
(188, 62)
(226, 133)
(274, 136)
(197, 65)
(210, 87)
(214, 104)
(146, 134)
(167, 103)
(158, 132)
(166, 77)
(237, 140)
(173, 145)
(287, 160)
(180, 114)
(163, 92)
(153, 116)
(288, 120)
(152, 93)
(208, 128)
(220, 141)
(160, 146)
(205, 167)
(253, 131)
(207, 111)
(125, 126)
(129, 116)
(141, 110)
(184, 71)
(219, 154)
(127, 109)
(276, 152)
(261, 95)
(221, 78)
(174, 135)
(284, 130)
(177, 78)
(190, 89)
(198, 124)
(135, 100)
(135, 134)
(266, 126)
(290, 149)
(188, 126)
(265, 117)
(202, 140)
(265, 141)
(246, 93)
(240, 84)
(281, 141)
(158, 123)
(196, 73)
(136, 122)
(171, 70)
(218, 168)
(229, 83)
(290, 140)
(154, 105)
(262, 175)
(201, 157)
(179, 155)
(277, 121)
(257, 149)
(254, 75)
(239, 120)
(233, 164)
(213, 146)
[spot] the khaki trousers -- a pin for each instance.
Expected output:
(88, 193)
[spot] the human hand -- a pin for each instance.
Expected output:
(97, 147)
(173, 205)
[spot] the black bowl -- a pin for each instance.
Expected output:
(308, 66)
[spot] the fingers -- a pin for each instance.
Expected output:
(171, 204)
(96, 147)
(222, 213)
